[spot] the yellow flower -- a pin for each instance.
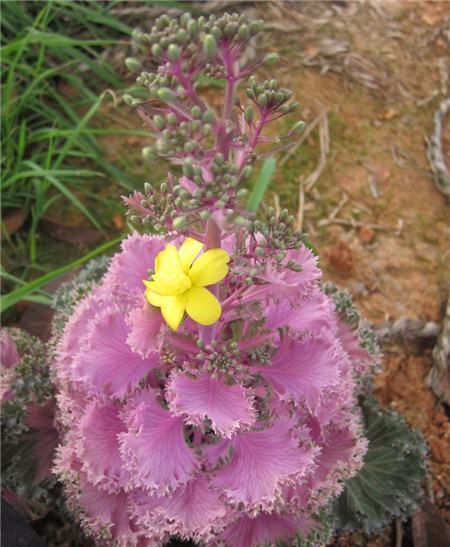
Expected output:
(178, 284)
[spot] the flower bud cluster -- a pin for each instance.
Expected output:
(189, 132)
(268, 96)
(275, 235)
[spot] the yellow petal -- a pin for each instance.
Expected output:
(188, 251)
(210, 268)
(202, 306)
(172, 309)
(153, 298)
(169, 276)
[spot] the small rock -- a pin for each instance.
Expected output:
(366, 234)
(341, 257)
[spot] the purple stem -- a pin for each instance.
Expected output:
(213, 239)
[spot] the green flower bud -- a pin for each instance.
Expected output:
(206, 129)
(156, 50)
(162, 22)
(159, 121)
(204, 215)
(262, 99)
(294, 106)
(165, 94)
(192, 28)
(244, 32)
(196, 112)
(133, 64)
(131, 101)
(259, 251)
(208, 116)
(256, 26)
(216, 32)
(231, 29)
(147, 154)
(179, 222)
(250, 94)
(171, 119)
(189, 146)
(241, 193)
(173, 53)
(246, 172)
(249, 114)
(188, 167)
(147, 185)
(271, 59)
(182, 36)
(185, 18)
(209, 46)
(219, 159)
(298, 127)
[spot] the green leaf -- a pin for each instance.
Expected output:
(27, 290)
(261, 184)
(389, 483)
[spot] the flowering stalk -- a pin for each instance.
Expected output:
(207, 388)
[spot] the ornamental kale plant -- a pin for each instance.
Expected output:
(207, 388)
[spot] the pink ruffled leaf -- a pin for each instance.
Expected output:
(153, 448)
(261, 462)
(9, 356)
(302, 369)
(43, 436)
(129, 267)
(228, 407)
(108, 364)
(145, 329)
(105, 510)
(100, 429)
(264, 529)
(196, 510)
(311, 316)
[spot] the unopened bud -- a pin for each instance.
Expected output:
(262, 99)
(298, 127)
(271, 59)
(133, 64)
(192, 28)
(156, 50)
(196, 112)
(249, 114)
(165, 94)
(182, 36)
(209, 46)
(208, 116)
(159, 122)
(244, 32)
(241, 193)
(188, 167)
(256, 26)
(246, 172)
(173, 53)
(179, 222)
(131, 101)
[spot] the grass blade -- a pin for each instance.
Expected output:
(261, 184)
(26, 291)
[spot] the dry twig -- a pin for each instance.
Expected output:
(435, 153)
